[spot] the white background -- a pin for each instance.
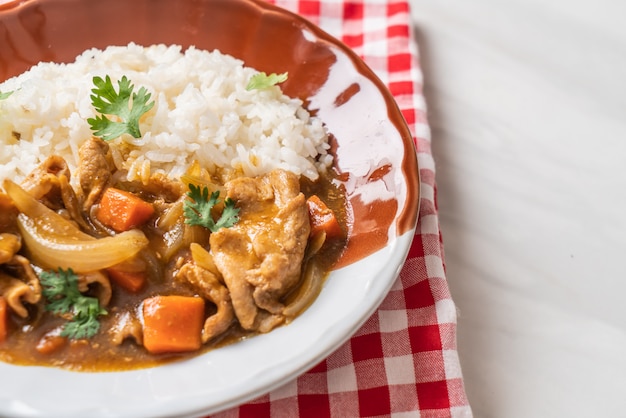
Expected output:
(527, 107)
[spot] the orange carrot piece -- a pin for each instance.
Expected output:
(50, 343)
(172, 323)
(322, 218)
(132, 281)
(122, 210)
(4, 319)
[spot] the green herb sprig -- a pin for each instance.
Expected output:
(5, 95)
(198, 210)
(107, 101)
(61, 289)
(261, 81)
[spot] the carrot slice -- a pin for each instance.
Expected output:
(133, 281)
(122, 210)
(322, 218)
(50, 343)
(172, 323)
(4, 319)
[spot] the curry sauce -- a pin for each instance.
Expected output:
(261, 264)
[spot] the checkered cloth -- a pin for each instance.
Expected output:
(403, 362)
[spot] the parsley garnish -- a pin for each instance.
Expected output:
(198, 210)
(109, 102)
(5, 95)
(61, 289)
(261, 81)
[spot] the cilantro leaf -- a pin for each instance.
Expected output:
(109, 102)
(81, 328)
(61, 289)
(262, 81)
(198, 210)
(85, 323)
(5, 95)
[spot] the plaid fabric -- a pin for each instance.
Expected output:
(403, 361)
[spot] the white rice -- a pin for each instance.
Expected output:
(202, 112)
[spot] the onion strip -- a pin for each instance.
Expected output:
(41, 214)
(52, 241)
(51, 250)
(312, 281)
(204, 259)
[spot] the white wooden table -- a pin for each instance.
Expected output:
(527, 107)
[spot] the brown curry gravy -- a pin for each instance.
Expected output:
(98, 353)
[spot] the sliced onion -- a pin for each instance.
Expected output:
(53, 241)
(51, 250)
(171, 215)
(315, 244)
(178, 234)
(173, 241)
(312, 281)
(195, 233)
(41, 214)
(203, 258)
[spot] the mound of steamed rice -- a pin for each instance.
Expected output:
(202, 112)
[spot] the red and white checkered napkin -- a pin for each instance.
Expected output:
(403, 361)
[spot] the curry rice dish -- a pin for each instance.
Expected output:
(157, 203)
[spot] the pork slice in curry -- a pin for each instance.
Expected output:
(261, 256)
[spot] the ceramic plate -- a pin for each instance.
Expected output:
(373, 150)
